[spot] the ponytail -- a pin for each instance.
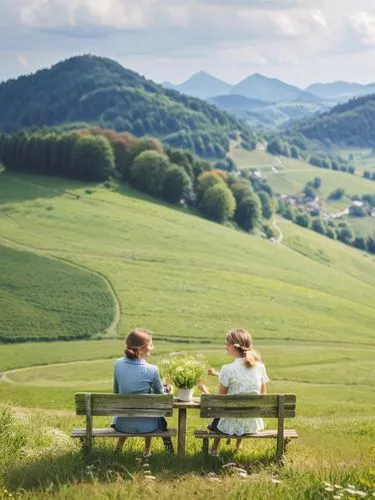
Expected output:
(242, 342)
(252, 358)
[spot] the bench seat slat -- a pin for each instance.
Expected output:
(110, 432)
(288, 433)
(244, 412)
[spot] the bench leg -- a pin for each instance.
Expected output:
(280, 453)
(205, 447)
(86, 445)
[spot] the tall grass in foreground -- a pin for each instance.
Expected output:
(39, 461)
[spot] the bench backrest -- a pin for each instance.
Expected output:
(244, 406)
(124, 405)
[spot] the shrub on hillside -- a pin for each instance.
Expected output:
(205, 181)
(266, 202)
(319, 226)
(345, 234)
(268, 231)
(177, 184)
(303, 219)
(144, 144)
(331, 233)
(249, 212)
(218, 203)
(122, 147)
(148, 170)
(92, 159)
(360, 242)
(337, 194)
(289, 213)
(241, 189)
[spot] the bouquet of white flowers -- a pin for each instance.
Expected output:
(185, 372)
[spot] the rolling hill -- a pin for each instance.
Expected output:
(99, 91)
(213, 276)
(308, 303)
(351, 123)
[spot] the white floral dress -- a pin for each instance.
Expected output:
(240, 379)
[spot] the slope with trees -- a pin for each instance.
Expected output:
(101, 92)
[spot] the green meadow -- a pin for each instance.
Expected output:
(289, 176)
(73, 257)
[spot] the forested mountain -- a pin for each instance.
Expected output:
(270, 89)
(351, 123)
(101, 92)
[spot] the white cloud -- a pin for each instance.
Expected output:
(319, 17)
(362, 28)
(23, 60)
(165, 37)
(49, 14)
(287, 60)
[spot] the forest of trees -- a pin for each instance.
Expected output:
(351, 123)
(177, 176)
(100, 92)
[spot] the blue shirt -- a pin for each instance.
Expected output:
(135, 376)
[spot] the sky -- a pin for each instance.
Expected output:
(298, 41)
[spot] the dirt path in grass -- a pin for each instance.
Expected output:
(111, 330)
(279, 239)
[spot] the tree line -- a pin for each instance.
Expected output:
(177, 176)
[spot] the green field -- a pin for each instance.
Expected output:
(290, 176)
(309, 303)
(363, 158)
(44, 298)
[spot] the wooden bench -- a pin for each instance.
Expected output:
(120, 405)
(278, 406)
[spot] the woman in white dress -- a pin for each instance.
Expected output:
(246, 375)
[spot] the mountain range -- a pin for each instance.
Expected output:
(263, 88)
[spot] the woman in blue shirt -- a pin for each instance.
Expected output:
(133, 375)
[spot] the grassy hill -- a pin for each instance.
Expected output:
(308, 302)
(185, 264)
(43, 298)
(99, 91)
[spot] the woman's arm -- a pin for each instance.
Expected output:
(223, 389)
(263, 389)
(157, 384)
(115, 384)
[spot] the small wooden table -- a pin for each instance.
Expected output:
(182, 406)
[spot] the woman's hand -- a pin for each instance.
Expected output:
(202, 386)
(167, 388)
(212, 371)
